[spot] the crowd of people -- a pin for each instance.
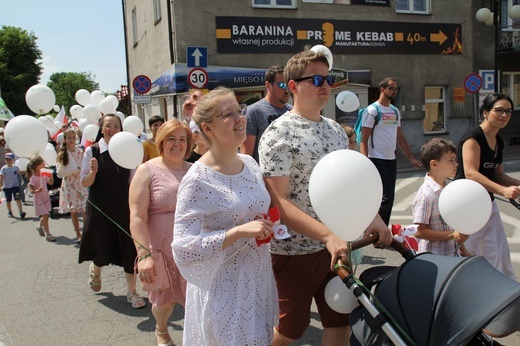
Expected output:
(200, 201)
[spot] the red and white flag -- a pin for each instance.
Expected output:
(61, 117)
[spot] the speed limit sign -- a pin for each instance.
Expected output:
(197, 78)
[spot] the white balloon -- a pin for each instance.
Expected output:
(107, 107)
(49, 155)
(465, 205)
(133, 125)
(56, 108)
(483, 14)
(82, 123)
(321, 48)
(40, 98)
(26, 136)
(126, 150)
(96, 97)
(339, 297)
(91, 112)
(22, 163)
(90, 132)
(347, 101)
(114, 100)
(345, 190)
(76, 111)
(83, 97)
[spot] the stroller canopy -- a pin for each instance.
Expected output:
(444, 300)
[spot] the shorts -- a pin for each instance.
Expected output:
(12, 192)
(299, 279)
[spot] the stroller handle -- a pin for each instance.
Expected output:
(358, 244)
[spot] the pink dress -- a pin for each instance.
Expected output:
(42, 202)
(73, 196)
(164, 184)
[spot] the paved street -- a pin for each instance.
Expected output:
(45, 298)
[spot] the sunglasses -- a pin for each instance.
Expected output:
(318, 80)
(281, 85)
(393, 89)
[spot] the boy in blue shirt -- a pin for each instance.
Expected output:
(10, 184)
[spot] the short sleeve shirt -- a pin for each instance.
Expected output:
(425, 210)
(10, 176)
(384, 133)
(292, 146)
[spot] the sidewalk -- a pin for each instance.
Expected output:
(511, 152)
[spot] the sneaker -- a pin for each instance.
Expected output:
(9, 214)
(50, 237)
(22, 215)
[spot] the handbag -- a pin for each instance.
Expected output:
(67, 170)
(161, 280)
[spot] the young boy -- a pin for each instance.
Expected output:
(438, 157)
(10, 184)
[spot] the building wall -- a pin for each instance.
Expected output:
(194, 24)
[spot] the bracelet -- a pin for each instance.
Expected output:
(145, 257)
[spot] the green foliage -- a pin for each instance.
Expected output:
(19, 66)
(65, 85)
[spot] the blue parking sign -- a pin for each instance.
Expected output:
(196, 56)
(488, 78)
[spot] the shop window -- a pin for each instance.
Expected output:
(434, 109)
(412, 6)
(511, 87)
(275, 3)
(156, 10)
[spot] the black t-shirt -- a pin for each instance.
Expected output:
(489, 158)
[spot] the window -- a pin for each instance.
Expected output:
(511, 87)
(434, 109)
(275, 3)
(134, 27)
(156, 10)
(412, 6)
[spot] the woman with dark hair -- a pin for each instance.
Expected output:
(149, 145)
(480, 155)
(73, 195)
(153, 195)
(103, 241)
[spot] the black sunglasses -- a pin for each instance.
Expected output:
(318, 80)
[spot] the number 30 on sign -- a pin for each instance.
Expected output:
(197, 78)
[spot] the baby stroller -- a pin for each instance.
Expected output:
(54, 193)
(431, 300)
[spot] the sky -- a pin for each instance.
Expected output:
(74, 36)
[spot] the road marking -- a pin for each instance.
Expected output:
(405, 182)
(515, 257)
(511, 221)
(405, 203)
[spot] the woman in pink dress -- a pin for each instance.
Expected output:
(153, 194)
(73, 196)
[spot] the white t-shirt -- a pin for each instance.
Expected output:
(384, 133)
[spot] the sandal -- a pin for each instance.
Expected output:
(160, 335)
(50, 237)
(40, 230)
(95, 285)
(136, 301)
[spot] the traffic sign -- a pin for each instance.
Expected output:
(473, 83)
(142, 84)
(196, 56)
(198, 78)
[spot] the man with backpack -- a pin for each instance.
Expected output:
(380, 134)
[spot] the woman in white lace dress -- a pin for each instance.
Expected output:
(231, 297)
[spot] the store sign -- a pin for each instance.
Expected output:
(254, 35)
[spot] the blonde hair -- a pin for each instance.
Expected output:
(166, 130)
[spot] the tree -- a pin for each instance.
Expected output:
(65, 85)
(19, 66)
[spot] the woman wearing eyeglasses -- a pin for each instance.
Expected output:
(479, 155)
(231, 296)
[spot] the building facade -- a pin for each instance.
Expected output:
(442, 58)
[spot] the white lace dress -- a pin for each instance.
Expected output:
(231, 297)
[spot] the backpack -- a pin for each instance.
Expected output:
(358, 127)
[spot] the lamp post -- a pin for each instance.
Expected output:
(492, 16)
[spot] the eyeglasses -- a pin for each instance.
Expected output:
(114, 127)
(501, 111)
(234, 113)
(393, 89)
(318, 80)
(281, 85)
